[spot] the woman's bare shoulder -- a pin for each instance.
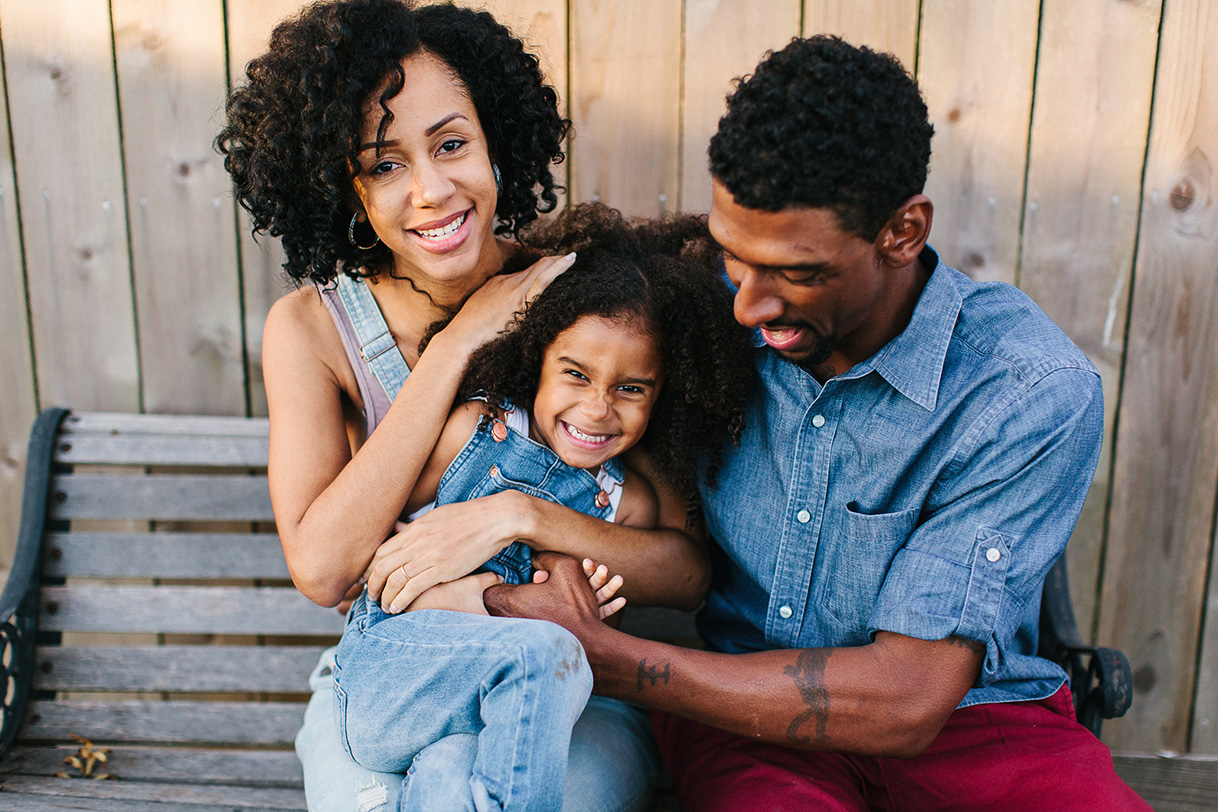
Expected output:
(301, 345)
(298, 314)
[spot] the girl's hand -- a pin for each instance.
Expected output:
(493, 306)
(604, 587)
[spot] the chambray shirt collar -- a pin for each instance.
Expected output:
(912, 363)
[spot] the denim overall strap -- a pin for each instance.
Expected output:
(376, 343)
(612, 468)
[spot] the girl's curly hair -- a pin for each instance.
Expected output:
(664, 274)
(292, 132)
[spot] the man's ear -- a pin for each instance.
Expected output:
(905, 234)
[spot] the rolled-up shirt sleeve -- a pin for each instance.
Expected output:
(997, 517)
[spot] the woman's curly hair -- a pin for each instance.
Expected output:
(292, 134)
(823, 123)
(664, 274)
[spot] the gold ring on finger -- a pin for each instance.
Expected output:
(405, 575)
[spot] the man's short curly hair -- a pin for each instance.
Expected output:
(664, 274)
(825, 124)
(292, 133)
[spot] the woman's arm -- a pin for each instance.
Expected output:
(332, 508)
(666, 566)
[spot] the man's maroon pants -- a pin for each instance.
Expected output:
(1020, 756)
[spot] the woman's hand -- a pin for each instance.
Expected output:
(493, 306)
(443, 545)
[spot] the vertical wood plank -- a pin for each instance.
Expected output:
(625, 103)
(1088, 140)
(17, 396)
(262, 278)
(1166, 469)
(724, 40)
(172, 76)
(975, 66)
(1203, 737)
(890, 26)
(60, 67)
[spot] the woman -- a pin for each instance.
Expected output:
(394, 151)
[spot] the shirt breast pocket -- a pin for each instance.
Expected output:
(860, 562)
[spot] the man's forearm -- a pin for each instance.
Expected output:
(889, 698)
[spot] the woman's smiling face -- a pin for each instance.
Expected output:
(599, 381)
(428, 189)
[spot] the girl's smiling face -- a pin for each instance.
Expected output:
(428, 188)
(599, 381)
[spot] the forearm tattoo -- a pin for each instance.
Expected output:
(651, 675)
(975, 646)
(809, 674)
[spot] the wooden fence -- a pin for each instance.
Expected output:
(1074, 156)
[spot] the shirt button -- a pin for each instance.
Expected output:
(992, 554)
(818, 421)
(803, 516)
(785, 611)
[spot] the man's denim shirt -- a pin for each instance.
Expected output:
(926, 491)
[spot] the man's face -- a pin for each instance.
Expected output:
(809, 285)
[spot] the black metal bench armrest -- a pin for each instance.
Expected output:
(19, 601)
(1101, 682)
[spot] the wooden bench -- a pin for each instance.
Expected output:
(149, 612)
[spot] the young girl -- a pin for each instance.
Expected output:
(635, 344)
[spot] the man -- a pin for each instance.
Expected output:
(912, 466)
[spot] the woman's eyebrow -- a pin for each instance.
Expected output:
(430, 131)
(378, 145)
(434, 127)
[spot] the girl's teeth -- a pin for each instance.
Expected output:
(588, 438)
(446, 231)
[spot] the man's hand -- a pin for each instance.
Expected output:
(563, 596)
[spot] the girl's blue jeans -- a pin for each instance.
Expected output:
(479, 713)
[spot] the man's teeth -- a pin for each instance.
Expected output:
(441, 233)
(587, 438)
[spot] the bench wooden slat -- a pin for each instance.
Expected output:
(265, 768)
(1180, 783)
(254, 669)
(222, 497)
(89, 607)
(156, 449)
(26, 801)
(153, 797)
(121, 423)
(164, 555)
(173, 722)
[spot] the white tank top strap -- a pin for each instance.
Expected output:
(517, 420)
